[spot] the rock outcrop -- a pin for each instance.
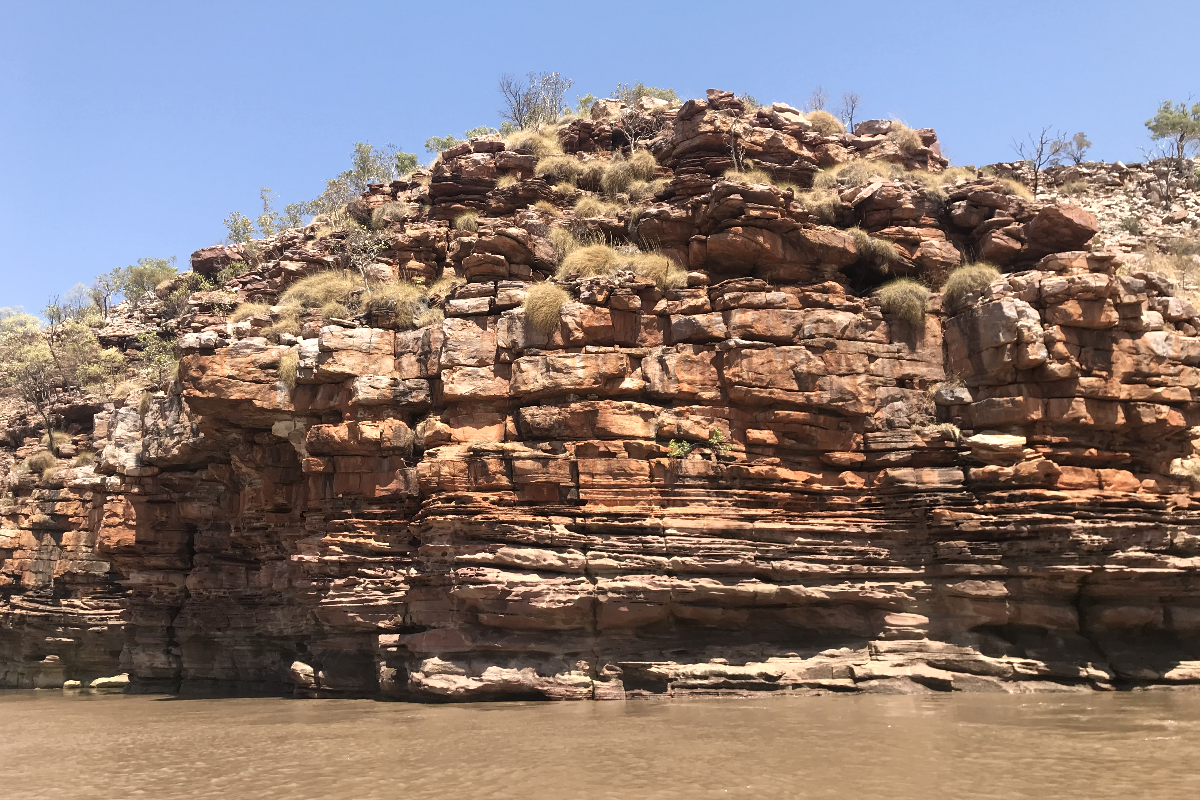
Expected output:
(757, 482)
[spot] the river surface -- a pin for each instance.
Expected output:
(1140, 745)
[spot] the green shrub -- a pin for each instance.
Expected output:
(543, 306)
(965, 280)
(879, 252)
(825, 123)
(678, 449)
(904, 299)
(559, 169)
(1131, 225)
(468, 221)
(288, 364)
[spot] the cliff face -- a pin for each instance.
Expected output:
(756, 482)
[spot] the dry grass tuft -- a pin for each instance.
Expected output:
(543, 306)
(617, 176)
(40, 461)
(879, 252)
(1014, 188)
(505, 181)
(904, 137)
(84, 459)
(588, 261)
(822, 204)
(433, 316)
(59, 438)
(317, 290)
(546, 207)
(559, 169)
(644, 165)
(388, 214)
(248, 310)
(1073, 188)
(591, 174)
(405, 300)
(533, 143)
(965, 280)
(565, 191)
(563, 242)
(288, 364)
(645, 190)
(467, 221)
(747, 176)
(825, 123)
(591, 207)
(904, 299)
(599, 259)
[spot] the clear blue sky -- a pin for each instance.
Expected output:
(131, 129)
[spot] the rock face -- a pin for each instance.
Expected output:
(759, 482)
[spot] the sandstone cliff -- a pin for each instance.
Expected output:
(758, 481)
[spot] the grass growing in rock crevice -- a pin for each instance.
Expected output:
(904, 299)
(592, 260)
(965, 280)
(543, 306)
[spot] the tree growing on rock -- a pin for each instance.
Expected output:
(817, 100)
(1177, 124)
(38, 363)
(107, 286)
(533, 101)
(147, 274)
(1076, 147)
(850, 104)
(1040, 153)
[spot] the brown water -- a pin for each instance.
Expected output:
(1141, 745)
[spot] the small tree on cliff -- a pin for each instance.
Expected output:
(537, 99)
(37, 363)
(1040, 152)
(1178, 125)
(1076, 147)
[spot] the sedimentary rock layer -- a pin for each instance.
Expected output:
(757, 482)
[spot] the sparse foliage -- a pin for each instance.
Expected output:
(537, 99)
(148, 273)
(1076, 148)
(630, 93)
(1042, 152)
(239, 226)
(1177, 124)
(850, 104)
(817, 100)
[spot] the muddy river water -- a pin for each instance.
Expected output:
(1135, 745)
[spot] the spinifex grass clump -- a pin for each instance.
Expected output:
(543, 306)
(965, 280)
(879, 252)
(904, 299)
(599, 259)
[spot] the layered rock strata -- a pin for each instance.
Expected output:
(757, 483)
